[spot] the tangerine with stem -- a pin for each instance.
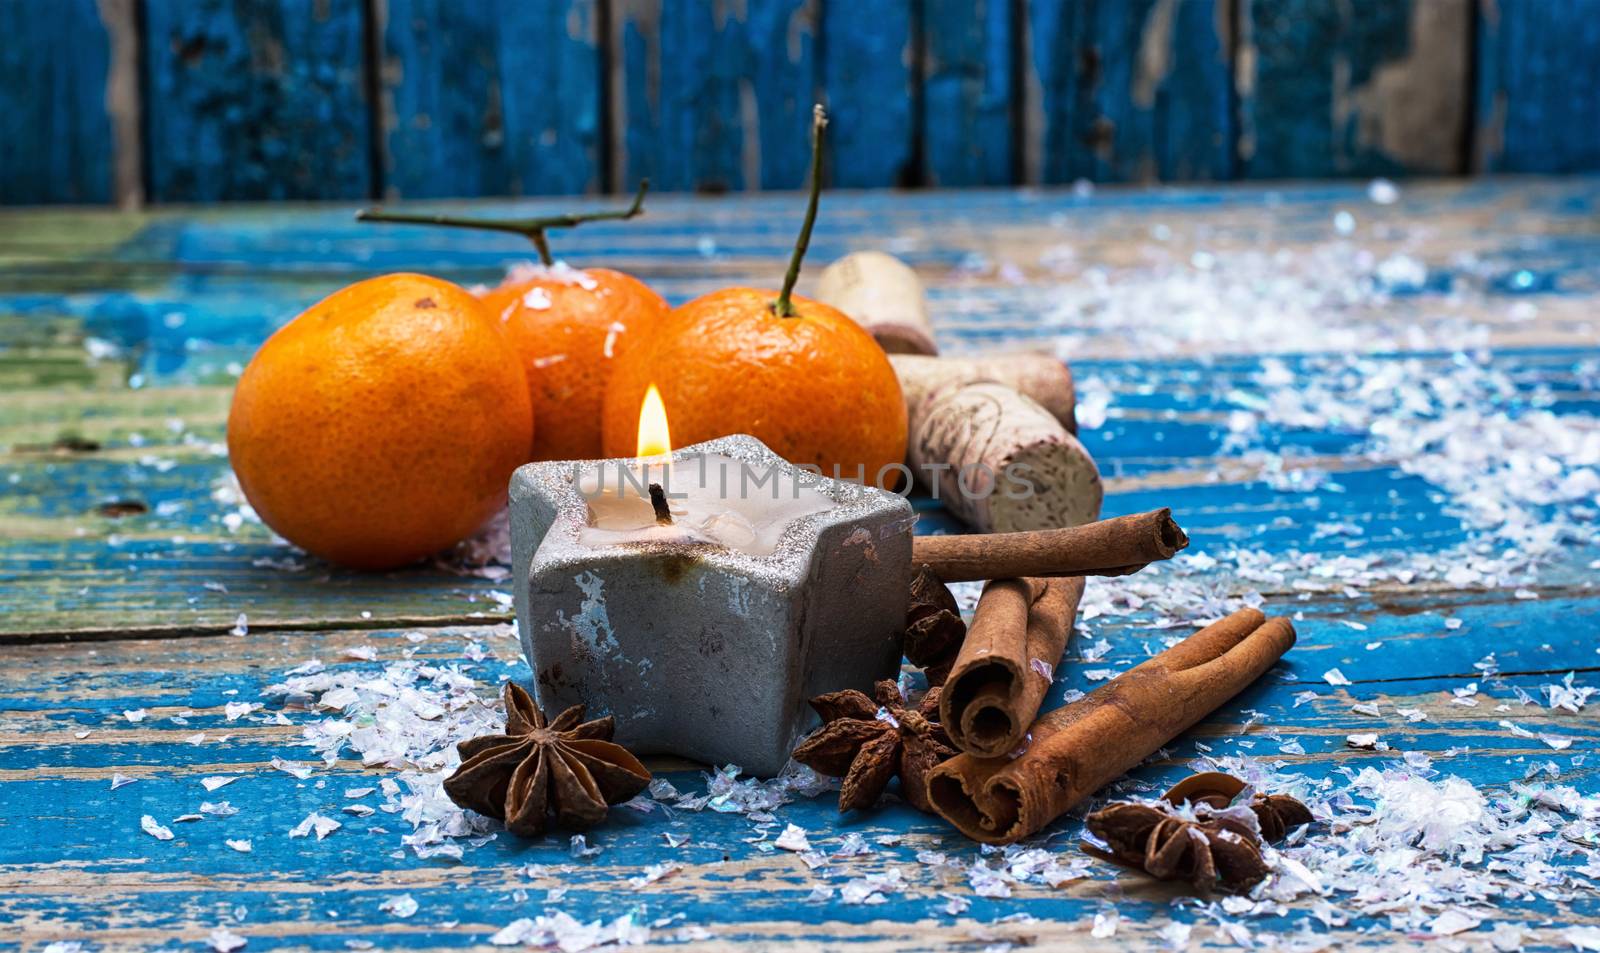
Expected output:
(795, 373)
(567, 325)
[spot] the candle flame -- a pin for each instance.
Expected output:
(654, 437)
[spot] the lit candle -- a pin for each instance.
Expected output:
(710, 498)
(704, 629)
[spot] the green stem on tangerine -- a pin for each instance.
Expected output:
(784, 307)
(532, 229)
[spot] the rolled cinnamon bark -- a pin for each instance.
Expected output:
(883, 295)
(1033, 374)
(999, 679)
(1000, 462)
(1078, 748)
(1114, 547)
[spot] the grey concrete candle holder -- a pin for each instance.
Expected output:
(699, 650)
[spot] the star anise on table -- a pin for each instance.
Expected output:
(567, 767)
(934, 630)
(1211, 845)
(867, 742)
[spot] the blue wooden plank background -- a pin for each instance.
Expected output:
(491, 98)
(256, 99)
(55, 128)
(305, 99)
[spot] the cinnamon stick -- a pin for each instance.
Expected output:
(1077, 748)
(1114, 547)
(1015, 642)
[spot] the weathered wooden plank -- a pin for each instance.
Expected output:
(256, 99)
(870, 87)
(1127, 91)
(1364, 88)
(121, 887)
(710, 97)
(967, 123)
(497, 98)
(57, 133)
(1538, 86)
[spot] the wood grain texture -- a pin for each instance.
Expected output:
(256, 99)
(493, 98)
(1538, 88)
(1364, 88)
(967, 124)
(57, 137)
(176, 295)
(74, 864)
(869, 84)
(711, 97)
(1127, 91)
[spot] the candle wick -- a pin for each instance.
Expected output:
(658, 500)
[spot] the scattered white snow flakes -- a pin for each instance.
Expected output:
(242, 846)
(135, 715)
(1105, 923)
(296, 768)
(1556, 741)
(241, 625)
(224, 940)
(1452, 922)
(563, 932)
(220, 809)
(1368, 741)
(1567, 696)
(233, 711)
(654, 873)
(120, 780)
(1335, 677)
(315, 823)
(872, 888)
(793, 838)
(1176, 935)
(402, 907)
(152, 827)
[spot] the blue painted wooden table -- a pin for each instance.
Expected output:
(1373, 409)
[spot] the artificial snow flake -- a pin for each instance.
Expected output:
(296, 768)
(654, 873)
(224, 940)
(135, 715)
(403, 906)
(1105, 923)
(1335, 677)
(315, 823)
(793, 838)
(120, 780)
(150, 826)
(1452, 922)
(242, 846)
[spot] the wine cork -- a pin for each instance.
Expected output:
(1001, 462)
(883, 295)
(1039, 376)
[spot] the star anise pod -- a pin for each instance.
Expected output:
(568, 767)
(1210, 850)
(1217, 852)
(934, 630)
(1277, 814)
(867, 742)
